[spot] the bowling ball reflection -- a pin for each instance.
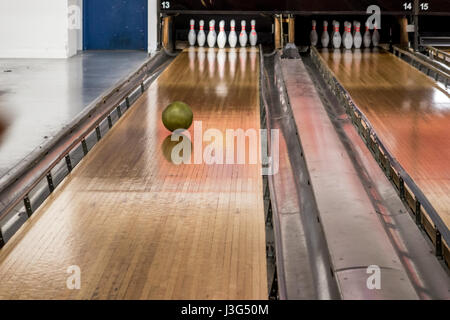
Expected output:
(181, 148)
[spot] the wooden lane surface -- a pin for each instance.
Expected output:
(409, 111)
(141, 227)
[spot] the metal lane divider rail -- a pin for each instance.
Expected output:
(438, 55)
(423, 66)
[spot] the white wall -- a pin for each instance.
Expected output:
(40, 28)
(34, 29)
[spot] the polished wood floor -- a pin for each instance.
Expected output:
(140, 226)
(409, 111)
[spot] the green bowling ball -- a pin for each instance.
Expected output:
(177, 115)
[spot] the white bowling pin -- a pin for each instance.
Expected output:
(243, 35)
(325, 39)
(344, 34)
(232, 37)
(357, 39)
(253, 36)
(192, 37)
(201, 37)
(367, 38)
(348, 40)
(211, 39)
(221, 37)
(313, 34)
(375, 36)
(337, 39)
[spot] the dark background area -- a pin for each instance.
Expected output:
(435, 6)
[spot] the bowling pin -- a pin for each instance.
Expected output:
(201, 34)
(253, 36)
(344, 34)
(313, 35)
(211, 39)
(357, 39)
(375, 36)
(325, 39)
(192, 37)
(367, 39)
(232, 37)
(337, 39)
(222, 37)
(243, 35)
(348, 40)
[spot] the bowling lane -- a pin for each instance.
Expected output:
(409, 111)
(141, 227)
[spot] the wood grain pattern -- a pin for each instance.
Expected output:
(141, 227)
(408, 110)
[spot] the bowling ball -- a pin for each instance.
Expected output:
(177, 115)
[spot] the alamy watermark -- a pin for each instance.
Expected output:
(74, 15)
(373, 282)
(73, 281)
(374, 20)
(232, 146)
